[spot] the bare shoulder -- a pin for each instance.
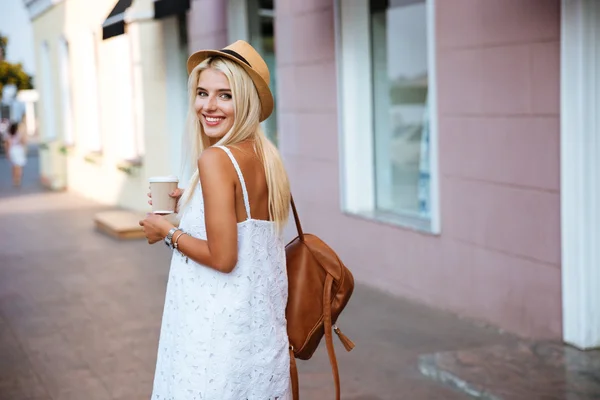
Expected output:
(214, 162)
(212, 158)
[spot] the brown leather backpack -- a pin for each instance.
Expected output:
(319, 288)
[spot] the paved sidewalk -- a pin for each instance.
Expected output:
(80, 314)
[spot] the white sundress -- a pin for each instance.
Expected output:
(224, 336)
(16, 152)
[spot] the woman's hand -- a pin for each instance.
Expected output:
(176, 194)
(155, 227)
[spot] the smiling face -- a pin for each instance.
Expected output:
(214, 104)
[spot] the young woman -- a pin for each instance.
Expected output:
(223, 334)
(15, 149)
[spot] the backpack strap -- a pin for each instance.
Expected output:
(293, 368)
(241, 178)
(294, 375)
(296, 219)
(327, 325)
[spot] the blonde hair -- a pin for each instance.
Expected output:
(246, 125)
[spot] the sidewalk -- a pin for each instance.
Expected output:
(80, 315)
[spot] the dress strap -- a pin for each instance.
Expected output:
(241, 177)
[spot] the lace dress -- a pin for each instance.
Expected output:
(16, 152)
(223, 336)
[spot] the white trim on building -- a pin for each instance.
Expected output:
(580, 172)
(92, 140)
(358, 164)
(356, 131)
(176, 54)
(237, 21)
(65, 90)
(47, 93)
(244, 21)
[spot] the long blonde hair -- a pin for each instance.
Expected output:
(246, 125)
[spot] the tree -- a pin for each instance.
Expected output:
(3, 44)
(12, 74)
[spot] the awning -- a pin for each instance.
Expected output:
(114, 24)
(166, 8)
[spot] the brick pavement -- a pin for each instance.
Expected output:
(80, 314)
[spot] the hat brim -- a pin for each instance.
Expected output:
(262, 87)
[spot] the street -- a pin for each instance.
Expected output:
(80, 314)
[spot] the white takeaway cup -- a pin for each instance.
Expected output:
(160, 187)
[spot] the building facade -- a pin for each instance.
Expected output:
(112, 83)
(446, 149)
(15, 25)
(423, 142)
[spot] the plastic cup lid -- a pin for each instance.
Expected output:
(170, 178)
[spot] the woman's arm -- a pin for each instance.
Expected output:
(217, 177)
(219, 251)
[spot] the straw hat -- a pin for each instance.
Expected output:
(248, 58)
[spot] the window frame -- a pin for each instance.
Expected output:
(356, 133)
(241, 27)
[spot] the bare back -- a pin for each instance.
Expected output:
(256, 183)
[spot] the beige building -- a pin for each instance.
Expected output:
(112, 82)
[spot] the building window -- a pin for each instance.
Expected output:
(254, 22)
(65, 88)
(387, 99)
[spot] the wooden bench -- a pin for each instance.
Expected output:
(120, 224)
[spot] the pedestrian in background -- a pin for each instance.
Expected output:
(4, 126)
(224, 331)
(16, 150)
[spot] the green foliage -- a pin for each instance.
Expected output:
(130, 167)
(12, 74)
(3, 44)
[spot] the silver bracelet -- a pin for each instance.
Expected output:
(169, 237)
(175, 245)
(176, 238)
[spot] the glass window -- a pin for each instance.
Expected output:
(254, 22)
(400, 97)
(261, 31)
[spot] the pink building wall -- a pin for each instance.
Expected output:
(499, 106)
(498, 257)
(207, 25)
